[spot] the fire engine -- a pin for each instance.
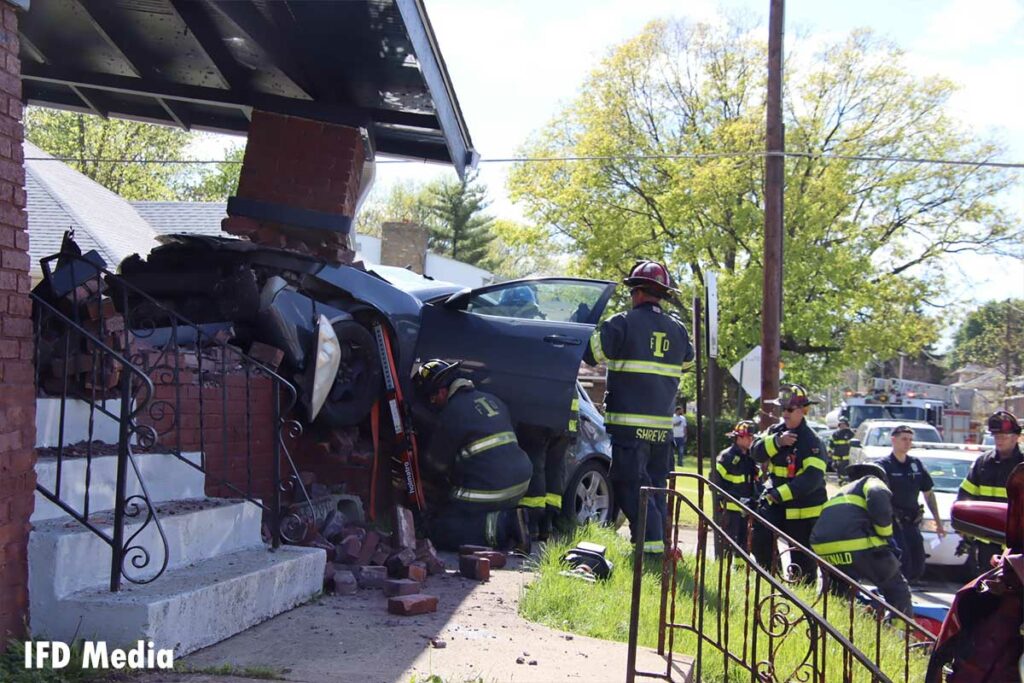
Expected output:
(901, 399)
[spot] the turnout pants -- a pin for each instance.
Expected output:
(735, 526)
(547, 482)
(636, 464)
(461, 523)
(880, 567)
(841, 461)
(800, 531)
(908, 537)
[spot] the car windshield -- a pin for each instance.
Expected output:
(947, 473)
(882, 436)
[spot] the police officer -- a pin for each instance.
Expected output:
(908, 480)
(474, 447)
(986, 480)
(736, 473)
(796, 472)
(645, 350)
(855, 530)
(840, 447)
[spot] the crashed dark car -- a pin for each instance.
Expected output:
(521, 340)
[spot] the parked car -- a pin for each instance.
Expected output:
(947, 465)
(528, 355)
(588, 493)
(872, 439)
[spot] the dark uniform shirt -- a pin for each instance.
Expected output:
(645, 350)
(840, 443)
(735, 472)
(859, 517)
(475, 443)
(907, 481)
(986, 480)
(797, 472)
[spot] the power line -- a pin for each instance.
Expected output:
(624, 157)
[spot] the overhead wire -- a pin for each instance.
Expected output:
(1016, 165)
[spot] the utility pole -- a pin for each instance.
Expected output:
(774, 167)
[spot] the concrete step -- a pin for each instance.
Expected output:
(194, 606)
(167, 478)
(77, 415)
(65, 557)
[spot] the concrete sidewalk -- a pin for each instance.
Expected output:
(354, 639)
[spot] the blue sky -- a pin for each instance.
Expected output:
(514, 62)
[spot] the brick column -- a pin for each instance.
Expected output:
(404, 245)
(17, 399)
(298, 186)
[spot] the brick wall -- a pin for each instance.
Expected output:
(17, 400)
(303, 169)
(404, 245)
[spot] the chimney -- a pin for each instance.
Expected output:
(404, 245)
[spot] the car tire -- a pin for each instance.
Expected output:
(589, 496)
(359, 380)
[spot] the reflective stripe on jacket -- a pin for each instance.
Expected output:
(797, 472)
(840, 443)
(735, 473)
(986, 480)
(859, 517)
(645, 350)
(475, 440)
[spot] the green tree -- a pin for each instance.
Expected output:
(213, 183)
(520, 250)
(461, 229)
(404, 202)
(992, 335)
(85, 139)
(671, 129)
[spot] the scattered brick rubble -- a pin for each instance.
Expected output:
(398, 563)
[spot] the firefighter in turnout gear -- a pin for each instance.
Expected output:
(736, 474)
(796, 472)
(475, 447)
(839, 445)
(854, 533)
(645, 350)
(986, 480)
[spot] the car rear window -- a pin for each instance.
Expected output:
(882, 436)
(947, 473)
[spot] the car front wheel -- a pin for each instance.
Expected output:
(589, 497)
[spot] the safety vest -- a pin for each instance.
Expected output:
(475, 440)
(645, 350)
(859, 517)
(840, 443)
(986, 480)
(797, 472)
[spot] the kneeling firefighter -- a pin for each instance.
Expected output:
(475, 446)
(854, 533)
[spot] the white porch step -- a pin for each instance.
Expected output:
(77, 414)
(65, 557)
(195, 606)
(167, 478)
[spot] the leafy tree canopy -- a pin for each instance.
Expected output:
(213, 183)
(401, 203)
(671, 126)
(460, 228)
(993, 336)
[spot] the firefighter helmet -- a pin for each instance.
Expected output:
(1003, 422)
(743, 428)
(866, 469)
(792, 396)
(652, 277)
(433, 375)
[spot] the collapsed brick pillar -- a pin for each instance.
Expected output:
(299, 186)
(404, 245)
(18, 398)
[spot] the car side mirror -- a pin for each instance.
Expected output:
(458, 300)
(854, 443)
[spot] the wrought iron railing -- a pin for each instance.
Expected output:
(183, 390)
(771, 633)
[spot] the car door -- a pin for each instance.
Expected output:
(522, 340)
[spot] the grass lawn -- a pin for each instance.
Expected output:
(688, 487)
(601, 610)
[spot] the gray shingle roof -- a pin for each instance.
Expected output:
(195, 218)
(59, 197)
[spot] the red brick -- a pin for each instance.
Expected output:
(9, 348)
(17, 327)
(372, 577)
(394, 587)
(497, 559)
(18, 198)
(19, 305)
(474, 567)
(411, 605)
(15, 259)
(10, 18)
(416, 572)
